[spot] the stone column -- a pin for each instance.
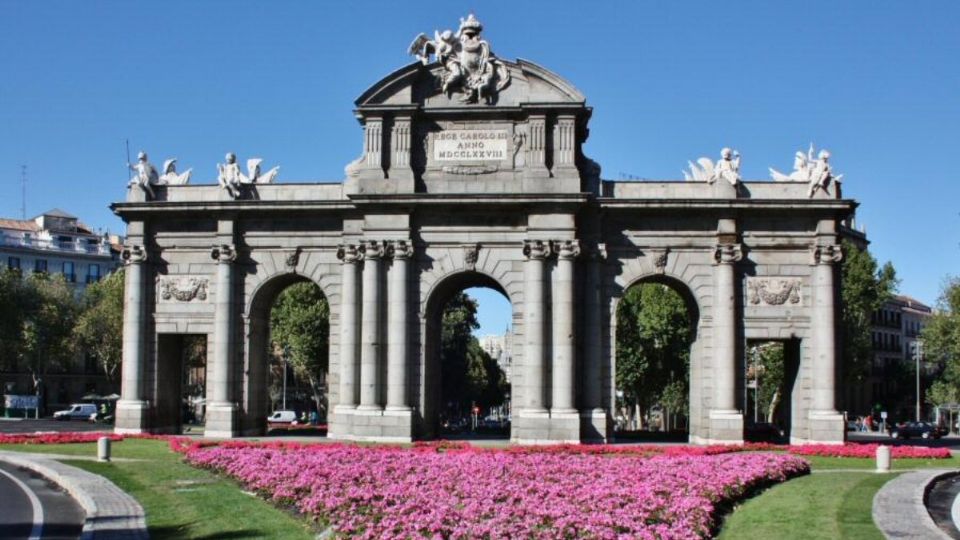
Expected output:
(593, 329)
(349, 325)
(132, 406)
(534, 326)
(221, 410)
(824, 329)
(397, 327)
(725, 328)
(370, 327)
(564, 364)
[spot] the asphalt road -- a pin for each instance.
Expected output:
(30, 425)
(33, 507)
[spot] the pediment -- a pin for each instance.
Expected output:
(418, 85)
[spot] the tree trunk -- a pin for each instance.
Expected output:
(773, 406)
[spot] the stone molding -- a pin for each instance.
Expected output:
(728, 253)
(827, 254)
(349, 253)
(133, 254)
(182, 289)
(774, 291)
(536, 249)
(224, 253)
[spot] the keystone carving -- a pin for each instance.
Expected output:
(184, 290)
(471, 254)
(773, 291)
(293, 259)
(659, 259)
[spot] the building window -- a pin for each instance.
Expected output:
(40, 266)
(68, 272)
(13, 263)
(93, 273)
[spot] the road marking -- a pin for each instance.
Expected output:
(37, 531)
(955, 512)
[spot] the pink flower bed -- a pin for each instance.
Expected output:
(384, 492)
(868, 451)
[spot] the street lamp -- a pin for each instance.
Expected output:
(285, 353)
(917, 356)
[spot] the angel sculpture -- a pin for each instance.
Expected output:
(146, 177)
(470, 67)
(170, 175)
(801, 168)
(726, 168)
(230, 178)
(821, 176)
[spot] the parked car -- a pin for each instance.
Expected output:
(925, 430)
(282, 417)
(853, 425)
(80, 411)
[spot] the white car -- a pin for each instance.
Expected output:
(282, 417)
(76, 410)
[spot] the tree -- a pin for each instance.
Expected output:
(941, 343)
(50, 312)
(653, 347)
(99, 329)
(863, 289)
(767, 368)
(300, 327)
(470, 376)
(13, 299)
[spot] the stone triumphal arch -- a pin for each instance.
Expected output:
(473, 173)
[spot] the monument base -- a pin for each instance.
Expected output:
(595, 426)
(544, 427)
(132, 417)
(723, 427)
(373, 425)
(221, 421)
(825, 427)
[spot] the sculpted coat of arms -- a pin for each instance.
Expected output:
(469, 66)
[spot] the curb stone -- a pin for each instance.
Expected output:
(110, 512)
(899, 510)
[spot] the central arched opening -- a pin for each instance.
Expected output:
(656, 331)
(468, 356)
(288, 365)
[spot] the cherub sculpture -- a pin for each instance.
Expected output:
(230, 178)
(170, 175)
(726, 168)
(146, 177)
(470, 67)
(806, 168)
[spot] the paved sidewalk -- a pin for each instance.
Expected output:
(898, 508)
(111, 513)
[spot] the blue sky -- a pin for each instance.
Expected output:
(875, 82)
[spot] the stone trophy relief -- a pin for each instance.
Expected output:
(774, 291)
(182, 289)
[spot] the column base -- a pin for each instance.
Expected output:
(824, 427)
(535, 426)
(132, 417)
(595, 426)
(723, 427)
(221, 421)
(375, 425)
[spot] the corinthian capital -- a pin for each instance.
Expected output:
(728, 253)
(133, 254)
(348, 253)
(224, 253)
(828, 254)
(567, 249)
(536, 249)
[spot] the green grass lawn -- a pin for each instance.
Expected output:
(830, 503)
(181, 501)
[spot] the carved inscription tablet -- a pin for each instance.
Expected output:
(471, 145)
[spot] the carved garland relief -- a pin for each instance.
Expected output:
(773, 291)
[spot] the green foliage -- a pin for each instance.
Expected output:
(50, 313)
(653, 347)
(99, 329)
(769, 363)
(300, 328)
(13, 299)
(470, 376)
(863, 289)
(941, 343)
